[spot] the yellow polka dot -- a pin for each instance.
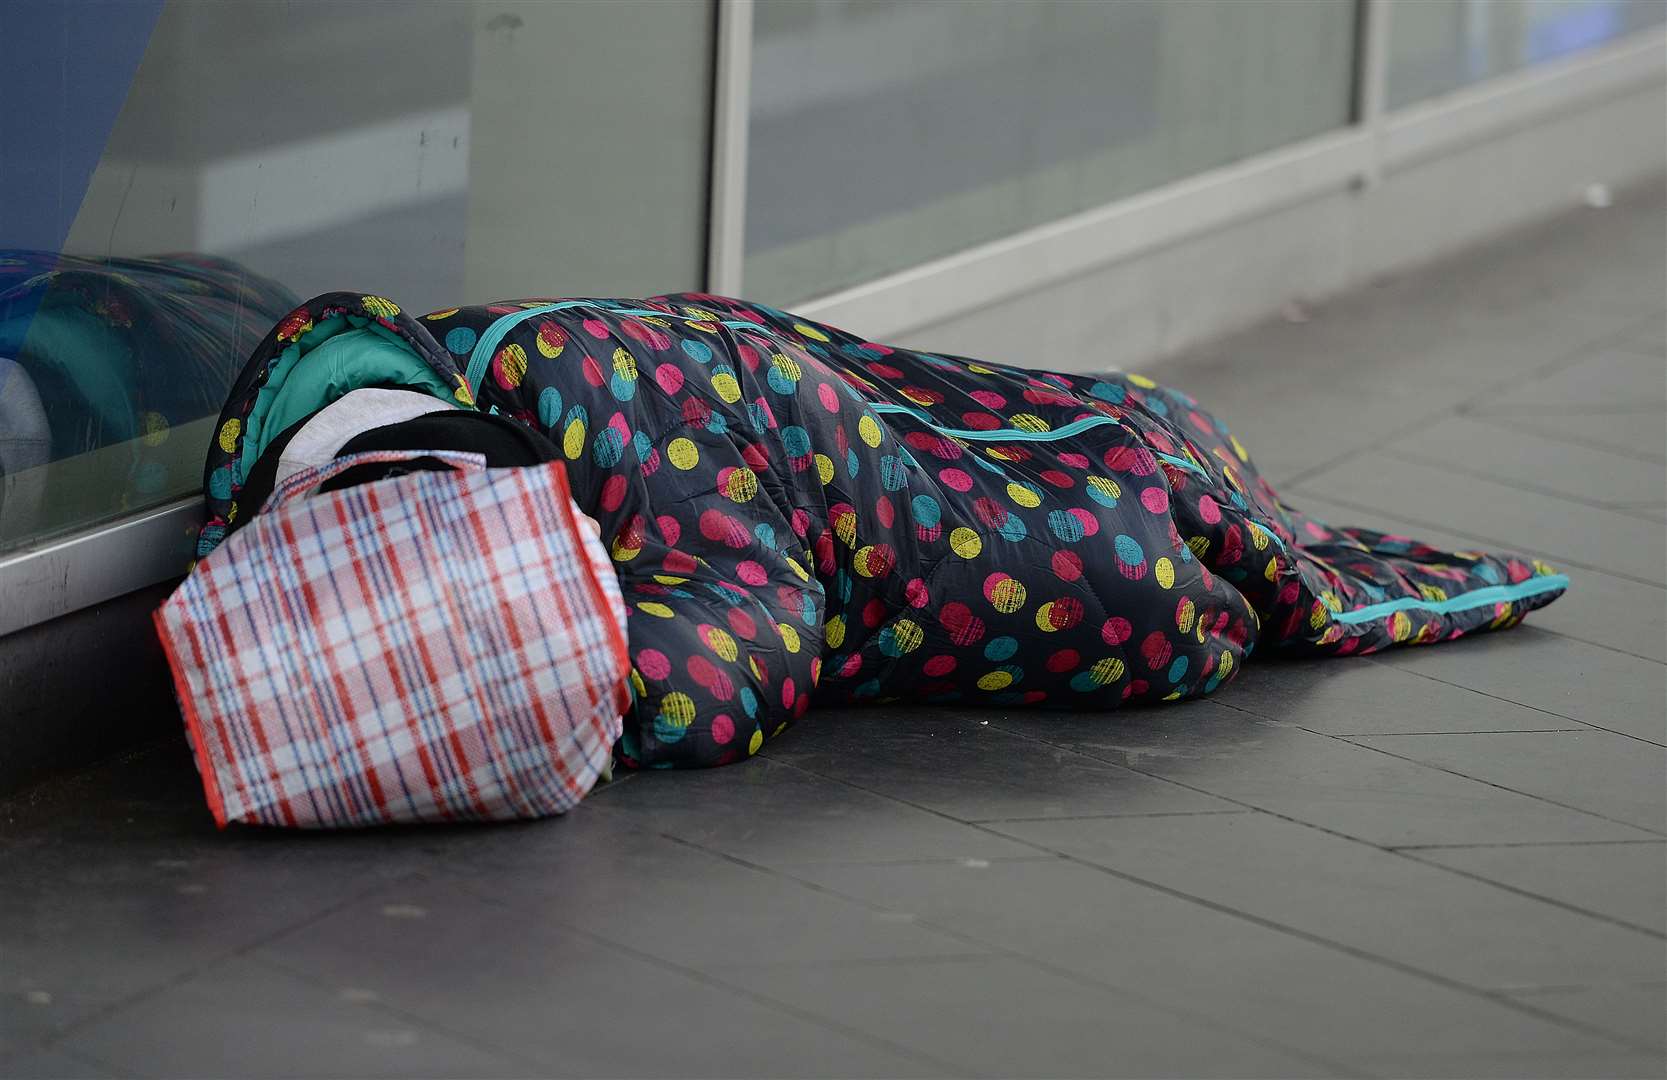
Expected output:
(512, 364)
(869, 431)
(1271, 571)
(908, 635)
(995, 680)
(573, 440)
(1008, 595)
(1028, 422)
(1238, 448)
(1106, 671)
(638, 684)
(721, 643)
(1225, 667)
(462, 393)
(1142, 381)
(726, 386)
(228, 434)
(625, 365)
(789, 637)
(741, 485)
(824, 468)
(965, 543)
(809, 331)
(436, 316)
(380, 305)
(670, 579)
(678, 708)
(659, 611)
(1184, 613)
(1400, 626)
(1105, 485)
(980, 369)
(1023, 495)
(1044, 618)
(845, 527)
(834, 632)
(1164, 570)
(622, 553)
(1198, 545)
(788, 367)
(755, 742)
(1317, 617)
(683, 453)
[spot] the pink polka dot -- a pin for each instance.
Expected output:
(653, 664)
(955, 479)
(751, 573)
(988, 398)
(1131, 459)
(723, 728)
(670, 530)
(1074, 460)
(916, 594)
(670, 378)
(851, 665)
(743, 624)
(828, 396)
(788, 692)
(1116, 630)
(980, 421)
(1155, 499)
(592, 371)
(885, 371)
(1208, 510)
(1090, 523)
(1067, 565)
(596, 328)
(884, 512)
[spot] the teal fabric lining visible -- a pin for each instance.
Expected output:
(346, 354)
(1493, 594)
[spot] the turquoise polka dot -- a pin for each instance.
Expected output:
(1065, 525)
(549, 405)
(1001, 648)
(608, 448)
(698, 351)
(1178, 670)
(460, 340)
(926, 510)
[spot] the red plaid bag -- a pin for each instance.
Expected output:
(436, 646)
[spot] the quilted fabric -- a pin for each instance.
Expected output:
(797, 513)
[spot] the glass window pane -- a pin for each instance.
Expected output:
(885, 133)
(264, 151)
(1437, 46)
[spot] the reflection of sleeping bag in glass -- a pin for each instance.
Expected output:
(798, 514)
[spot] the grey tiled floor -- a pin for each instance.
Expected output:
(1450, 861)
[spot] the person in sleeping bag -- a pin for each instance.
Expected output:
(798, 514)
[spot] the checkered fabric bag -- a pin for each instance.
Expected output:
(436, 646)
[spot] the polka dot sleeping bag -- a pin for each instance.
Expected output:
(797, 514)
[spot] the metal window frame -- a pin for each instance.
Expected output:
(88, 568)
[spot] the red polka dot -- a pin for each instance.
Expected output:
(939, 666)
(884, 512)
(596, 328)
(787, 693)
(1067, 565)
(670, 530)
(874, 613)
(592, 371)
(1064, 660)
(1074, 460)
(988, 398)
(915, 593)
(613, 492)
(1057, 479)
(1116, 630)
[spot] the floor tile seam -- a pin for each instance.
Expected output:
(1415, 458)
(1531, 894)
(1358, 952)
(1494, 783)
(409, 1016)
(1491, 542)
(111, 1008)
(997, 950)
(1593, 725)
(1552, 435)
(708, 979)
(1098, 817)
(1646, 841)
(1271, 924)
(1486, 731)
(1564, 988)
(1563, 362)
(1529, 410)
